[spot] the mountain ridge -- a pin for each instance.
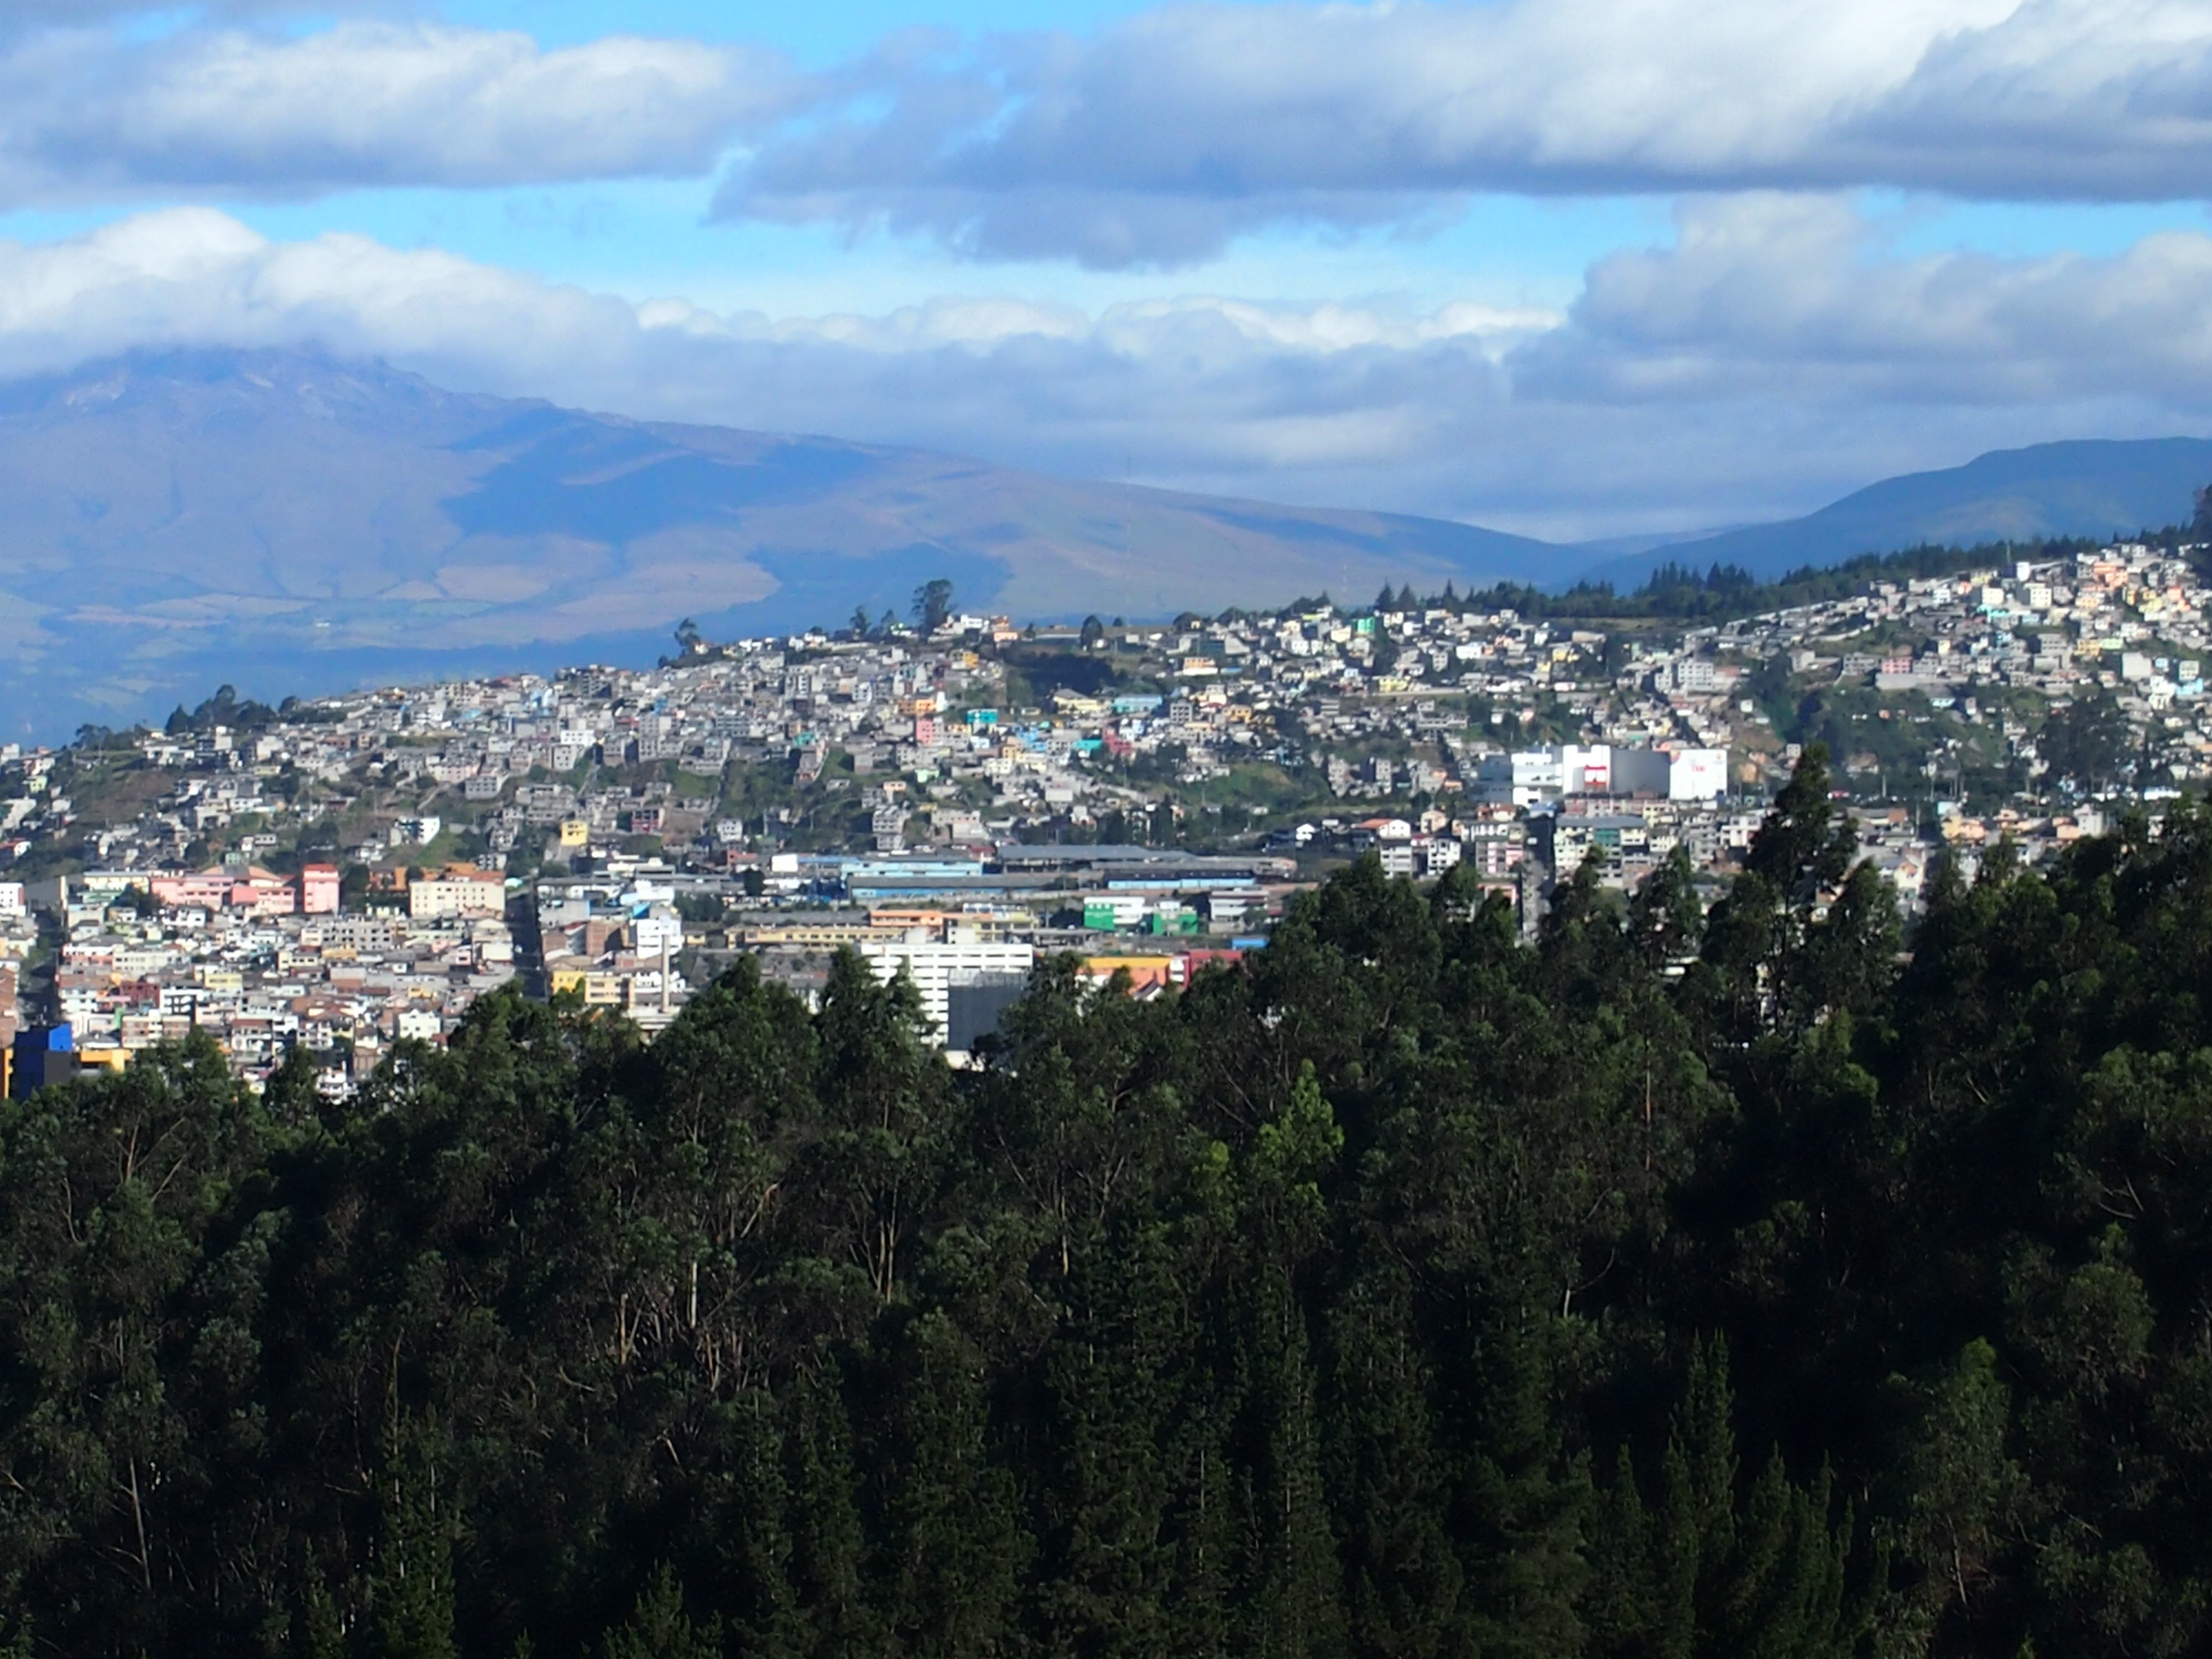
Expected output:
(2095, 487)
(175, 514)
(293, 521)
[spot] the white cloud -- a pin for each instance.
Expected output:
(1166, 135)
(1795, 297)
(1774, 357)
(367, 102)
(1154, 142)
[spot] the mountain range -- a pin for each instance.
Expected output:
(288, 522)
(2086, 487)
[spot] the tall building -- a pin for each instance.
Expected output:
(936, 965)
(319, 890)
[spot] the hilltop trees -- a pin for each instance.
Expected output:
(933, 604)
(223, 709)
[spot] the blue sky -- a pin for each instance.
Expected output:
(1573, 267)
(818, 36)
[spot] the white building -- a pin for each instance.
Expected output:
(1697, 774)
(1532, 777)
(458, 893)
(934, 966)
(1700, 677)
(651, 934)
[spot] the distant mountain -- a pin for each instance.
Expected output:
(288, 523)
(2089, 486)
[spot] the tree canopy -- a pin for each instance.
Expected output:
(1720, 592)
(1674, 1284)
(933, 604)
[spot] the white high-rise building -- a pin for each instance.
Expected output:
(934, 965)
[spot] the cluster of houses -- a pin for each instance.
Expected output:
(263, 964)
(637, 934)
(2130, 623)
(342, 873)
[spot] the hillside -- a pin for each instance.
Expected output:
(288, 523)
(2085, 487)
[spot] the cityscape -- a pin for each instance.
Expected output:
(1105, 829)
(956, 798)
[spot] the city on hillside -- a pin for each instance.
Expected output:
(954, 797)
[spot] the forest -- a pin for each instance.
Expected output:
(1724, 592)
(1745, 1280)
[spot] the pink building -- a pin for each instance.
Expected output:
(207, 889)
(319, 890)
(263, 893)
(255, 890)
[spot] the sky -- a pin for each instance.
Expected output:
(1572, 268)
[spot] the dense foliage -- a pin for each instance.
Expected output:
(224, 709)
(1723, 592)
(1677, 1285)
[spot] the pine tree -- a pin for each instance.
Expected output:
(1287, 1580)
(1524, 1498)
(1107, 1559)
(954, 1547)
(660, 1628)
(1712, 1569)
(828, 1539)
(317, 1630)
(411, 1587)
(1403, 1580)
(754, 1534)
(1287, 1575)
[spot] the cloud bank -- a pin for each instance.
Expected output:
(1771, 358)
(1163, 137)
(88, 116)
(1155, 142)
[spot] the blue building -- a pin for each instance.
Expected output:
(43, 1054)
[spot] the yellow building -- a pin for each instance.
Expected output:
(598, 990)
(949, 925)
(818, 935)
